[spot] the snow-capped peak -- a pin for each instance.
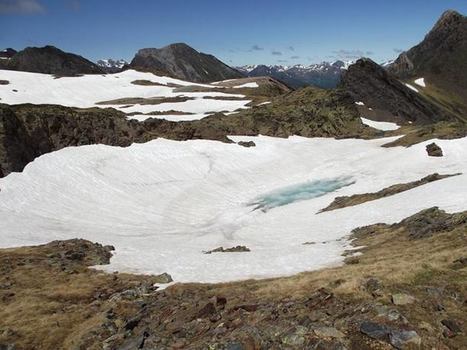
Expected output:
(111, 63)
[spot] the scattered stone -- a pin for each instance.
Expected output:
(294, 340)
(246, 307)
(328, 332)
(459, 263)
(221, 301)
(452, 325)
(132, 323)
(375, 330)
(389, 314)
(448, 333)
(405, 339)
(234, 346)
(353, 260)
(7, 347)
(237, 249)
(329, 345)
(163, 278)
(372, 284)
(246, 144)
(402, 299)
(434, 150)
(206, 311)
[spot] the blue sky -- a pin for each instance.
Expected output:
(238, 32)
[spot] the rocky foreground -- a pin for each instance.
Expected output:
(406, 290)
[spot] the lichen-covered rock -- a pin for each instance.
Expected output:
(405, 339)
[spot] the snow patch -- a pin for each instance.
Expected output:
(420, 82)
(385, 126)
(247, 85)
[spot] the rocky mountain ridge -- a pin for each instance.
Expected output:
(183, 62)
(50, 60)
(441, 59)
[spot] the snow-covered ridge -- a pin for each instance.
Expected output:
(88, 90)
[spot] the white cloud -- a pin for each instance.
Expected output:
(21, 7)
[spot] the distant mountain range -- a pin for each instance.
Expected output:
(111, 66)
(325, 75)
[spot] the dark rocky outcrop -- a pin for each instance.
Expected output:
(28, 131)
(50, 60)
(368, 82)
(183, 62)
(430, 222)
(434, 150)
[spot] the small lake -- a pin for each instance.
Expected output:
(299, 192)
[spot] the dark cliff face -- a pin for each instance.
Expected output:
(441, 57)
(28, 131)
(50, 60)
(368, 82)
(183, 62)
